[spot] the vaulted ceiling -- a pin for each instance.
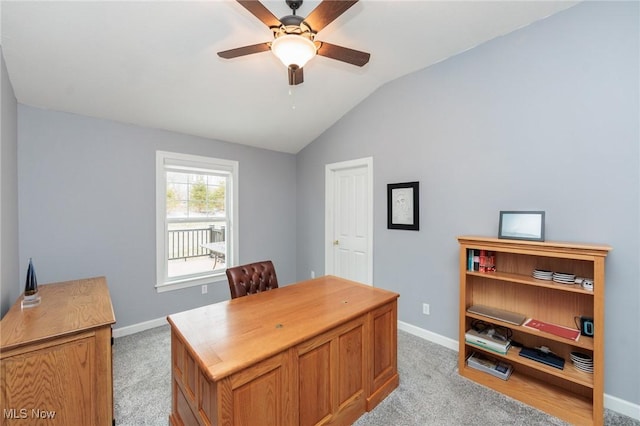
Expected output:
(154, 63)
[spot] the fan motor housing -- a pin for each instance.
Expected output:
(291, 20)
(293, 24)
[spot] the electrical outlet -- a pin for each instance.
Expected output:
(313, 274)
(205, 289)
(425, 308)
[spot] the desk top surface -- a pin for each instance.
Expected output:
(65, 308)
(228, 336)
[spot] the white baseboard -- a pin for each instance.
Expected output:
(428, 335)
(141, 326)
(613, 403)
(621, 406)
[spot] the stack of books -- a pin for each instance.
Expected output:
(481, 260)
(487, 341)
(499, 369)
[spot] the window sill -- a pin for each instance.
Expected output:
(191, 282)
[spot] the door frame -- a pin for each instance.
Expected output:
(330, 171)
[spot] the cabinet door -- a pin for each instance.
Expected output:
(384, 348)
(332, 377)
(260, 395)
(52, 384)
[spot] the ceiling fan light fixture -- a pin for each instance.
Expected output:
(293, 49)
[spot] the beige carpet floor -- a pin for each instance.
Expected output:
(430, 393)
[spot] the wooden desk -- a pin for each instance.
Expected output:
(56, 359)
(316, 352)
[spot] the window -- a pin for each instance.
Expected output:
(196, 219)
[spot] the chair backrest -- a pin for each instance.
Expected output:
(251, 278)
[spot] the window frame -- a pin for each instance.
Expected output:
(195, 163)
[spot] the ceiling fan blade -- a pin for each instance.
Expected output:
(245, 50)
(295, 75)
(344, 54)
(258, 10)
(326, 13)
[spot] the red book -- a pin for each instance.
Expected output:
(557, 330)
(483, 261)
(491, 267)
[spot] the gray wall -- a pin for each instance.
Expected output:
(545, 118)
(87, 207)
(9, 282)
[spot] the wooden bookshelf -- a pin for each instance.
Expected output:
(568, 393)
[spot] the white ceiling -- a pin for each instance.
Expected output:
(154, 63)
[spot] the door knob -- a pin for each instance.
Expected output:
(336, 242)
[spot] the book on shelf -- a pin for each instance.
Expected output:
(556, 330)
(488, 364)
(481, 260)
(473, 263)
(488, 342)
(487, 261)
(539, 355)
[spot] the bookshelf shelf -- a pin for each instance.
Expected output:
(568, 393)
(528, 280)
(558, 401)
(570, 373)
(583, 342)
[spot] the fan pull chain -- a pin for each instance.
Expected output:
(292, 96)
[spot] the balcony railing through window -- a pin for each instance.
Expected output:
(188, 243)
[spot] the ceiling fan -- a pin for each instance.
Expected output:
(294, 37)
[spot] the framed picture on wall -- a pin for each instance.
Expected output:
(522, 225)
(403, 206)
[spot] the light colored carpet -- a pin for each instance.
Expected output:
(430, 393)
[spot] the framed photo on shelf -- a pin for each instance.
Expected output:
(403, 210)
(522, 225)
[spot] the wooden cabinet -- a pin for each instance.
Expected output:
(567, 393)
(319, 352)
(56, 358)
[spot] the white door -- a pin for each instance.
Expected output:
(349, 220)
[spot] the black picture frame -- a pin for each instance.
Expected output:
(521, 225)
(403, 208)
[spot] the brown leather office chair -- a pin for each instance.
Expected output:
(252, 278)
